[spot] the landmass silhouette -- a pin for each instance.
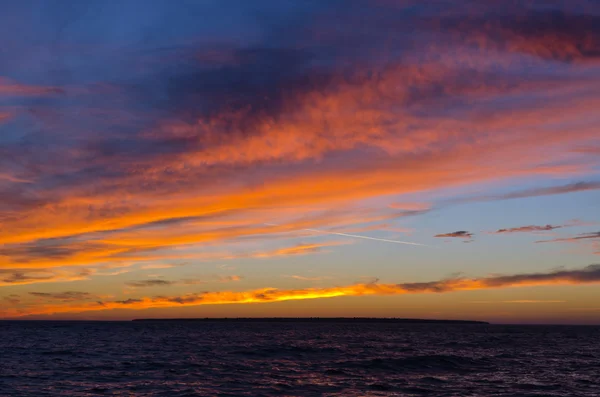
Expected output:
(320, 320)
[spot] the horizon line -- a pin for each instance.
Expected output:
(315, 319)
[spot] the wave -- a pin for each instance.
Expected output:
(423, 364)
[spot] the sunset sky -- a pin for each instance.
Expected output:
(394, 158)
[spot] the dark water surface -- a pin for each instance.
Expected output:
(296, 359)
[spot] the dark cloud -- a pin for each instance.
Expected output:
(64, 296)
(571, 188)
(300, 54)
(579, 237)
(12, 299)
(529, 193)
(556, 34)
(150, 283)
(458, 234)
(192, 281)
(51, 249)
(185, 281)
(184, 299)
(588, 274)
(129, 301)
(18, 276)
(527, 229)
(29, 276)
(587, 236)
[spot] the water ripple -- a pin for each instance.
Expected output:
(296, 359)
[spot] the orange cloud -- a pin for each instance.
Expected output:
(158, 266)
(154, 245)
(4, 116)
(11, 88)
(365, 134)
(299, 249)
(587, 275)
(34, 275)
(411, 206)
(437, 155)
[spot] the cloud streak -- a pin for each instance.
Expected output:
(11, 88)
(64, 296)
(523, 301)
(459, 234)
(528, 229)
(541, 228)
(186, 281)
(306, 278)
(586, 275)
(579, 237)
(150, 283)
(540, 192)
(11, 277)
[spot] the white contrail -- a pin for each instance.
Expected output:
(358, 236)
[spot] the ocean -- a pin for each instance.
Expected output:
(296, 359)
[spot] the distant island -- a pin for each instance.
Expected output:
(318, 320)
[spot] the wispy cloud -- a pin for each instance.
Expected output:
(538, 192)
(12, 299)
(459, 234)
(522, 301)
(299, 249)
(157, 266)
(411, 206)
(186, 281)
(527, 229)
(229, 278)
(4, 116)
(307, 278)
(589, 241)
(10, 277)
(150, 283)
(64, 296)
(22, 276)
(541, 228)
(12, 88)
(579, 237)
